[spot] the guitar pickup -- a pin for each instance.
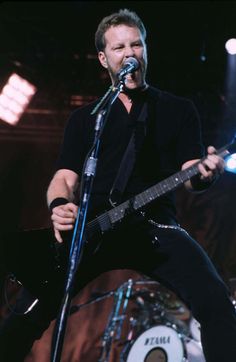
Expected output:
(104, 223)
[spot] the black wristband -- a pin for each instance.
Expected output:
(57, 201)
(201, 185)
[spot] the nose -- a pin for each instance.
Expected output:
(129, 52)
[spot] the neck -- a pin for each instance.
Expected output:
(127, 96)
(126, 100)
(134, 91)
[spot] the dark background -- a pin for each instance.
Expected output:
(52, 45)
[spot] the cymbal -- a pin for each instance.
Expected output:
(161, 298)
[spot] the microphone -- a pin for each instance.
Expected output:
(130, 65)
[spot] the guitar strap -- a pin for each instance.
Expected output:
(129, 157)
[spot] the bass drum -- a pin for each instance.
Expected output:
(163, 343)
(158, 344)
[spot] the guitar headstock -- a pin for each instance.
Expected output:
(230, 159)
(232, 145)
(227, 149)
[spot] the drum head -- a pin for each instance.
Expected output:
(157, 344)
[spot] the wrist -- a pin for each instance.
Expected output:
(57, 202)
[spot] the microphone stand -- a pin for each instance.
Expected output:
(77, 243)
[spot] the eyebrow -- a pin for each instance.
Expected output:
(132, 42)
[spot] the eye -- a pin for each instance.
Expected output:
(118, 47)
(137, 45)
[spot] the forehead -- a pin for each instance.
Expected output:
(122, 33)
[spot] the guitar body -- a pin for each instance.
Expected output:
(33, 258)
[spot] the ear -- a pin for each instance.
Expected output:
(102, 58)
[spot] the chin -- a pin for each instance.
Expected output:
(130, 84)
(133, 82)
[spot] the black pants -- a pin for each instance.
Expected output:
(168, 255)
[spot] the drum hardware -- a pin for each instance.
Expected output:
(116, 319)
(94, 299)
(164, 296)
(22, 308)
(162, 309)
(194, 350)
(195, 329)
(154, 332)
(148, 312)
(118, 315)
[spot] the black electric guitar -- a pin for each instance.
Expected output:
(109, 219)
(32, 256)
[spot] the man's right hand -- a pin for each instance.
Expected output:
(63, 219)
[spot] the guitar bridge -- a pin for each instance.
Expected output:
(104, 223)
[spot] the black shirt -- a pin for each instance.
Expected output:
(170, 136)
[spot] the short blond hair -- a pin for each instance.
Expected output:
(123, 16)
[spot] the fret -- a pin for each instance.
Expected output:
(172, 183)
(149, 195)
(118, 212)
(181, 177)
(177, 179)
(138, 202)
(142, 199)
(155, 191)
(191, 171)
(166, 185)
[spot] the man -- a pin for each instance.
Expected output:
(171, 140)
(151, 242)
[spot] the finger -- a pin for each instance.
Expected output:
(211, 150)
(62, 212)
(62, 220)
(72, 207)
(68, 210)
(209, 164)
(216, 163)
(61, 227)
(58, 236)
(203, 171)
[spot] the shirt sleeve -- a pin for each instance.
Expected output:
(73, 148)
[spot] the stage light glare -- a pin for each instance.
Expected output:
(230, 46)
(12, 118)
(230, 163)
(14, 98)
(14, 81)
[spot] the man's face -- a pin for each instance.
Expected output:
(122, 42)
